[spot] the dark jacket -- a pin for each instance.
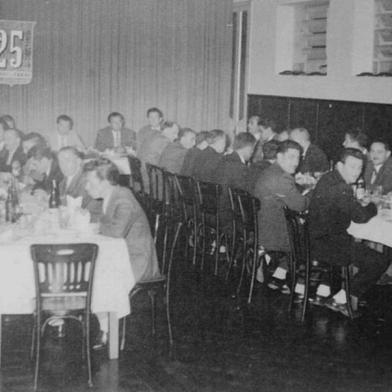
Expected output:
(276, 188)
(255, 170)
(19, 155)
(191, 158)
(55, 174)
(206, 165)
(383, 177)
(172, 157)
(331, 211)
(105, 139)
(313, 161)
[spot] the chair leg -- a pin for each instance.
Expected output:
(124, 327)
(88, 350)
(293, 273)
(346, 273)
(255, 264)
(37, 352)
(152, 293)
(204, 240)
(305, 301)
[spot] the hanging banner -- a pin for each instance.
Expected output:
(16, 52)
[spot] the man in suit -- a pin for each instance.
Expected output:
(313, 158)
(275, 188)
(155, 120)
(333, 207)
(122, 217)
(378, 171)
(74, 181)
(173, 155)
(232, 171)
(115, 136)
(12, 151)
(193, 153)
(43, 169)
(356, 138)
(65, 135)
(264, 130)
(208, 160)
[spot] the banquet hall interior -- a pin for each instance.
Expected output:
(195, 195)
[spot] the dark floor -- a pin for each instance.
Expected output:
(232, 348)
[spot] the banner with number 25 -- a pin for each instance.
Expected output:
(16, 52)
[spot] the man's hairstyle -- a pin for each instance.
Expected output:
(184, 131)
(115, 114)
(244, 139)
(156, 110)
(300, 130)
(288, 145)
(66, 118)
(351, 152)
(270, 149)
(214, 135)
(257, 117)
(359, 136)
(202, 136)
(383, 142)
(104, 169)
(267, 123)
(72, 150)
(8, 118)
(4, 124)
(40, 151)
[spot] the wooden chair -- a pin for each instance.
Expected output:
(63, 284)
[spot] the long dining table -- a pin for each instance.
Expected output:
(113, 277)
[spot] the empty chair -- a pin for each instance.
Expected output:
(63, 283)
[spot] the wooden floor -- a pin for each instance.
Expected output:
(226, 348)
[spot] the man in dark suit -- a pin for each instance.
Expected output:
(232, 171)
(74, 181)
(192, 155)
(204, 168)
(155, 120)
(12, 151)
(378, 171)
(275, 189)
(332, 208)
(123, 217)
(173, 155)
(115, 136)
(313, 158)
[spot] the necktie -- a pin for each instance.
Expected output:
(374, 176)
(117, 139)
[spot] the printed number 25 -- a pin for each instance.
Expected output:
(16, 61)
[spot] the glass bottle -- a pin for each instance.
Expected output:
(54, 197)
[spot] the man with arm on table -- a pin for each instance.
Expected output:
(332, 208)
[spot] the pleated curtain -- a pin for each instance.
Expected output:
(92, 57)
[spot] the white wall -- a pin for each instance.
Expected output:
(347, 52)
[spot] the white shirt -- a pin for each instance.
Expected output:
(106, 201)
(116, 138)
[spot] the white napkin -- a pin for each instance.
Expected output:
(74, 202)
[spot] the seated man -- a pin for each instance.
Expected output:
(32, 139)
(123, 217)
(269, 151)
(11, 123)
(65, 135)
(208, 160)
(313, 158)
(12, 151)
(378, 171)
(193, 153)
(331, 211)
(173, 155)
(155, 120)
(356, 138)
(276, 188)
(115, 136)
(74, 181)
(232, 171)
(43, 169)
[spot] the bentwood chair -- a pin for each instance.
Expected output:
(63, 284)
(136, 179)
(298, 230)
(245, 234)
(172, 219)
(208, 195)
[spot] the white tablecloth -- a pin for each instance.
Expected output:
(112, 281)
(377, 229)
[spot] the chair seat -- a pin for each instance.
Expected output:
(62, 305)
(149, 284)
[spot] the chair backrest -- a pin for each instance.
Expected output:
(156, 182)
(64, 268)
(298, 230)
(136, 178)
(187, 189)
(208, 195)
(173, 198)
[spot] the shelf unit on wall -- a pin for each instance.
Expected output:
(310, 55)
(382, 60)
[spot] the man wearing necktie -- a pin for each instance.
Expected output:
(115, 136)
(378, 172)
